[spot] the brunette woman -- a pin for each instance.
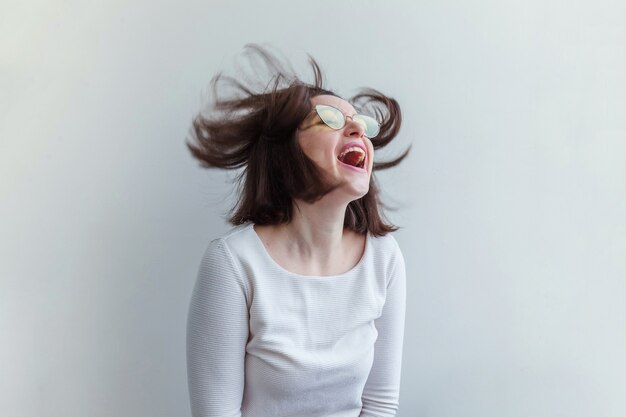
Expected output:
(299, 309)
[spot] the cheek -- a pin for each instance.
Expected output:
(311, 150)
(370, 152)
(305, 145)
(319, 149)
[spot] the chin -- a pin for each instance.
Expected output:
(359, 192)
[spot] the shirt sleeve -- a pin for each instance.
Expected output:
(217, 333)
(382, 389)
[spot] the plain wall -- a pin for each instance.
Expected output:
(511, 204)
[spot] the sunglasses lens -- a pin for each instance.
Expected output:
(335, 119)
(370, 125)
(330, 115)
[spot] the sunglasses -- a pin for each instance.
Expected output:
(335, 119)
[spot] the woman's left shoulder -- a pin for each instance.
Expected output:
(385, 244)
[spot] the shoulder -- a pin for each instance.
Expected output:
(387, 254)
(238, 246)
(235, 232)
(221, 261)
(217, 253)
(234, 238)
(386, 246)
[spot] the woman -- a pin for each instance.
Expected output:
(299, 309)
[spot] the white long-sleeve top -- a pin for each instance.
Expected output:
(266, 342)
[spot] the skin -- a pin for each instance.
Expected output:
(315, 242)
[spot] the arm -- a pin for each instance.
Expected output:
(382, 389)
(217, 333)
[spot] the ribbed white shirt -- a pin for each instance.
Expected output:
(266, 342)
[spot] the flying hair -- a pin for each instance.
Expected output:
(251, 124)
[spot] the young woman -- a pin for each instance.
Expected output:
(299, 309)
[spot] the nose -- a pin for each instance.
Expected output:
(354, 129)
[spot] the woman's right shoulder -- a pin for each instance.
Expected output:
(236, 240)
(233, 231)
(229, 252)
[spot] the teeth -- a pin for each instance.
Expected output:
(353, 149)
(360, 151)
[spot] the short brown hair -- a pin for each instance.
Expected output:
(257, 131)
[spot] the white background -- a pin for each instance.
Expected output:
(512, 202)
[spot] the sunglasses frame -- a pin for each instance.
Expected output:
(344, 118)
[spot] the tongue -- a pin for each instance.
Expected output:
(351, 158)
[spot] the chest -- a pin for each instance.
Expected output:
(316, 322)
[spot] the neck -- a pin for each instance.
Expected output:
(316, 231)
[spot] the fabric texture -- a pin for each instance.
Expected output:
(266, 342)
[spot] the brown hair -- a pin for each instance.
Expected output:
(257, 131)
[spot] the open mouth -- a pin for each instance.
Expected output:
(353, 156)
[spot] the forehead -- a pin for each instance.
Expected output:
(345, 107)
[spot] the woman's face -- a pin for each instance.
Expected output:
(325, 146)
